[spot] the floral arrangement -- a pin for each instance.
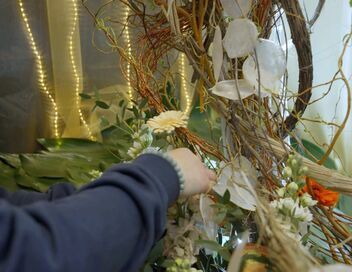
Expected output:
(272, 208)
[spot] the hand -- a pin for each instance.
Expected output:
(198, 178)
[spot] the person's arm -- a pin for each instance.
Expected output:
(23, 197)
(109, 225)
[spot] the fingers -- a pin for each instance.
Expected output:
(211, 174)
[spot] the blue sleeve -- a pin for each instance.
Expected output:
(21, 197)
(109, 225)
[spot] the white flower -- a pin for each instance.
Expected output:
(146, 138)
(274, 204)
(141, 141)
(292, 187)
(307, 201)
(281, 192)
(133, 152)
(287, 203)
(167, 121)
(287, 172)
(302, 214)
(95, 174)
(137, 145)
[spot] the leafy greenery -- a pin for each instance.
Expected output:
(62, 160)
(314, 152)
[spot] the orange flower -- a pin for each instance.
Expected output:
(321, 194)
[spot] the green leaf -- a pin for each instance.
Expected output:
(220, 216)
(143, 102)
(316, 152)
(79, 175)
(85, 96)
(11, 159)
(121, 103)
(147, 268)
(93, 151)
(226, 197)
(214, 246)
(33, 183)
(54, 165)
(101, 104)
(205, 124)
(156, 252)
(236, 213)
(7, 179)
(135, 112)
(37, 165)
(70, 145)
(118, 122)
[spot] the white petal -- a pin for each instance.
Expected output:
(236, 257)
(207, 213)
(228, 89)
(237, 177)
(241, 163)
(241, 38)
(217, 53)
(220, 189)
(243, 198)
(236, 8)
(272, 65)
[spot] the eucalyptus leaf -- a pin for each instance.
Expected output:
(121, 102)
(214, 246)
(85, 96)
(102, 104)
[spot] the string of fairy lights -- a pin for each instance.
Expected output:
(184, 87)
(42, 75)
(42, 78)
(127, 36)
(75, 73)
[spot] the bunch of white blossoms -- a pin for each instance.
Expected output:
(287, 207)
(292, 209)
(141, 141)
(95, 174)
